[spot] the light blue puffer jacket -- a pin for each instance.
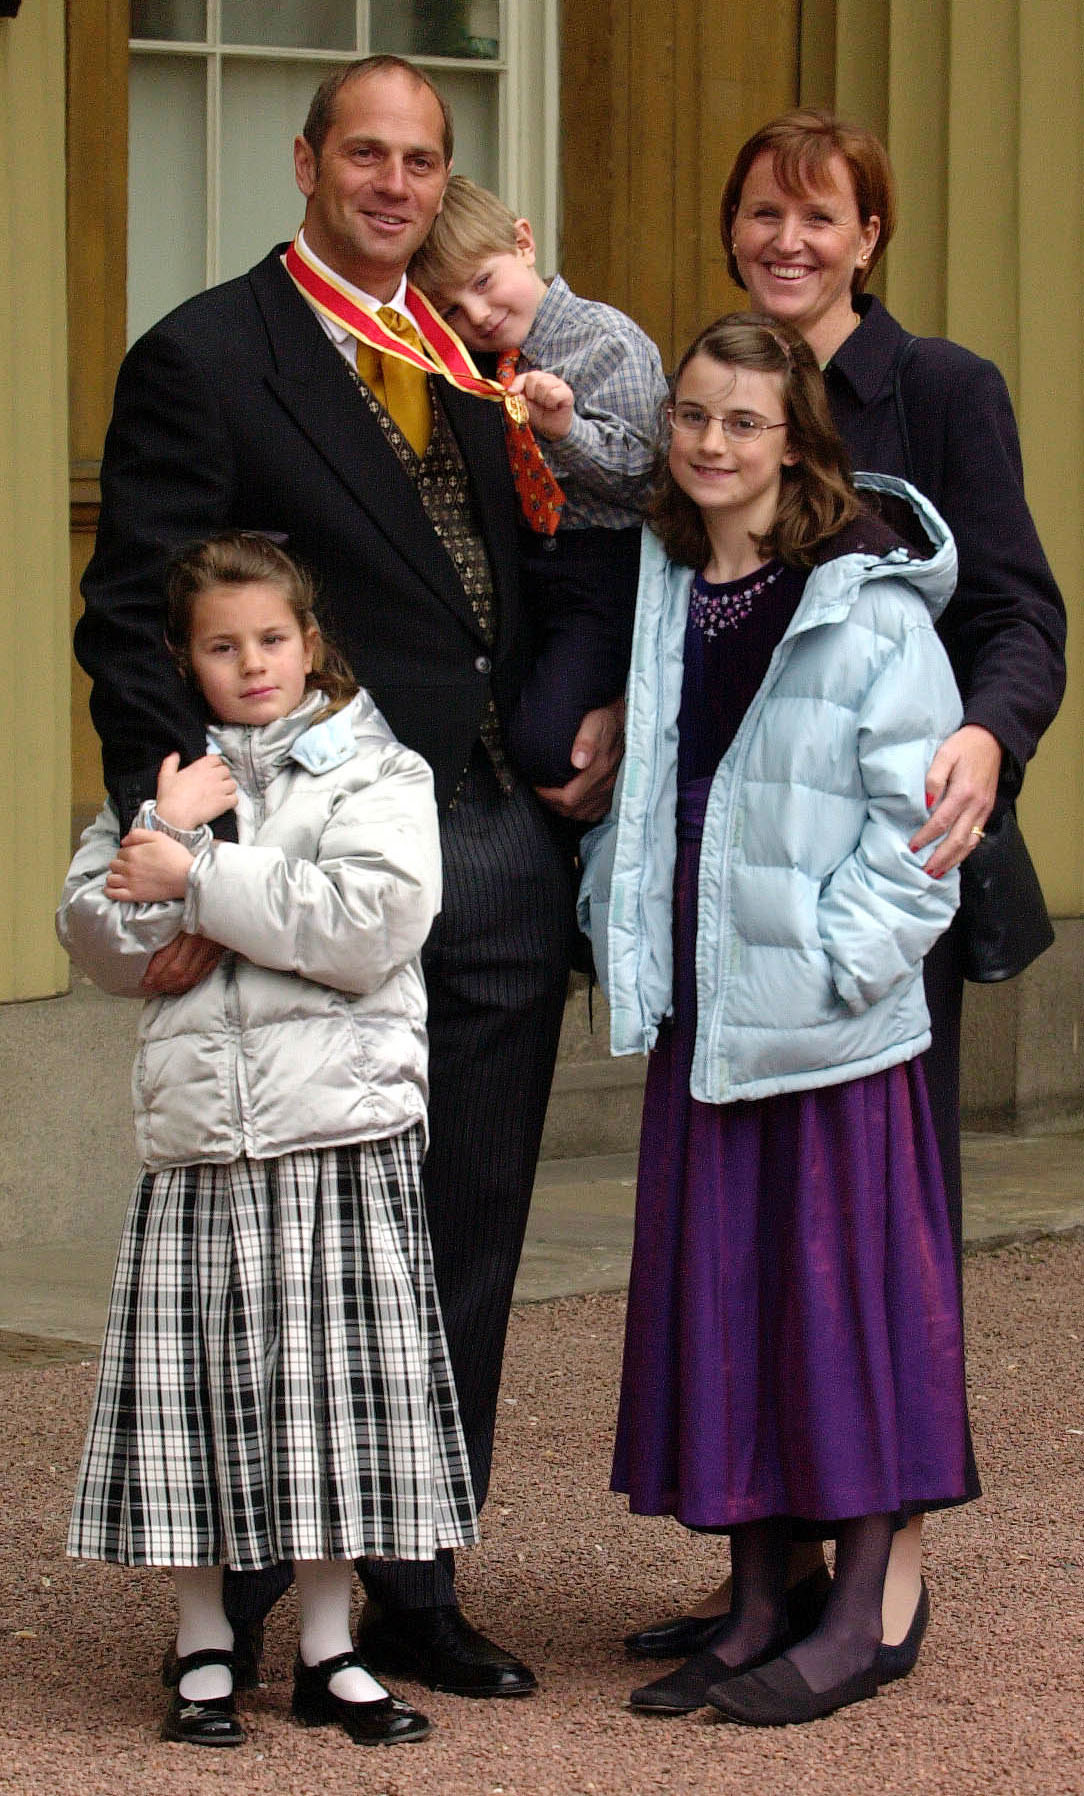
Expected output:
(814, 915)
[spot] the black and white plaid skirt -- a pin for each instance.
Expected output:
(275, 1381)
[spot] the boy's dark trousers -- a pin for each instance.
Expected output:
(582, 650)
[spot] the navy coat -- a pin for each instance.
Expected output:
(1004, 627)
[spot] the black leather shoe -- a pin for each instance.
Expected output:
(899, 1661)
(386, 1721)
(685, 1635)
(247, 1653)
(439, 1648)
(682, 1691)
(778, 1696)
(210, 1721)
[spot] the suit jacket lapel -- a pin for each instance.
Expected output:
(310, 381)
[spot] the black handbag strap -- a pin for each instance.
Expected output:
(906, 351)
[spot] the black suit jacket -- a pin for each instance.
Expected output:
(1004, 627)
(236, 411)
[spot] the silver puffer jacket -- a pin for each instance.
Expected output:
(310, 1032)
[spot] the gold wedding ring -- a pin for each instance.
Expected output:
(979, 834)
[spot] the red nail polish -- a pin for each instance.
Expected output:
(930, 801)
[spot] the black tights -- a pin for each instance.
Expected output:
(849, 1632)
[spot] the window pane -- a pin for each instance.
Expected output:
(473, 100)
(436, 27)
(179, 21)
(292, 24)
(263, 109)
(167, 180)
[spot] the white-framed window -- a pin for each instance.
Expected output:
(218, 90)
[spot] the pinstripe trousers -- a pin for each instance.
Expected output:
(496, 968)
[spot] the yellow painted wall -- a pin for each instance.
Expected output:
(34, 681)
(656, 97)
(981, 103)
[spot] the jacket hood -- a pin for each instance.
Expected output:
(901, 536)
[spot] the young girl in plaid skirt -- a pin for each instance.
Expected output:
(275, 1383)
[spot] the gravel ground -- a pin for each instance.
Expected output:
(995, 1706)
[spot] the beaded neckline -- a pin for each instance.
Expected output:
(715, 607)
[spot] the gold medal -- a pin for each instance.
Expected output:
(516, 407)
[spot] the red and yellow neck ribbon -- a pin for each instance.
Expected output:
(444, 355)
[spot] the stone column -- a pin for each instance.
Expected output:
(34, 653)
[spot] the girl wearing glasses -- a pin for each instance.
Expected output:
(793, 1358)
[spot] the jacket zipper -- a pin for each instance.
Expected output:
(256, 789)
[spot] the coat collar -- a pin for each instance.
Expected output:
(865, 360)
(318, 746)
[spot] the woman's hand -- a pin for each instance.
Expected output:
(148, 868)
(198, 793)
(961, 787)
(597, 752)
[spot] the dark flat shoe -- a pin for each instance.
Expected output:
(682, 1691)
(778, 1696)
(386, 1721)
(899, 1661)
(685, 1635)
(247, 1653)
(439, 1648)
(210, 1721)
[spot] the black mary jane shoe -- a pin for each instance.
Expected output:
(440, 1648)
(899, 1661)
(247, 1653)
(386, 1721)
(685, 1635)
(210, 1720)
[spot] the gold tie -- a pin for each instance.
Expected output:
(403, 391)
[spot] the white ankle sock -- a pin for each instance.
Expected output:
(323, 1594)
(202, 1624)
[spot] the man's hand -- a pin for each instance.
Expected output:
(597, 752)
(148, 868)
(550, 403)
(180, 965)
(189, 796)
(960, 789)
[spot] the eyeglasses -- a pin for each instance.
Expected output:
(739, 427)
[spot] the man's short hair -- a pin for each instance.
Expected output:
(472, 225)
(322, 107)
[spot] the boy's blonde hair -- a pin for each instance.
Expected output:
(472, 225)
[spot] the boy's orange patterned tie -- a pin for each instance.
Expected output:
(539, 494)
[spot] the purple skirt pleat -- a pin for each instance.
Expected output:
(793, 1342)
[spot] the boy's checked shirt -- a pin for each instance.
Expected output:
(615, 373)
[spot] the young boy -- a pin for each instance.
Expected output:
(593, 383)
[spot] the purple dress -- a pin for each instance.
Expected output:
(793, 1342)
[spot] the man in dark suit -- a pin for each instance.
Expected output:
(247, 408)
